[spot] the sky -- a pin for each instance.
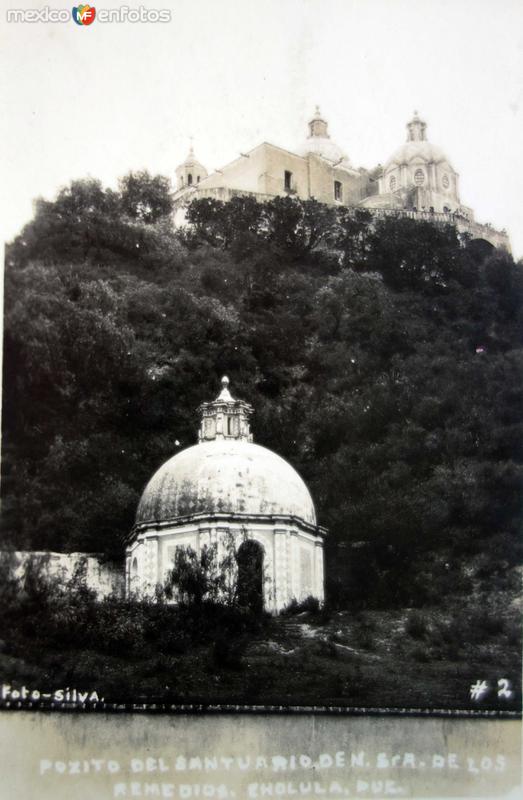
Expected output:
(104, 99)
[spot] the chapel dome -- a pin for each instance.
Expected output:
(225, 476)
(225, 473)
(416, 148)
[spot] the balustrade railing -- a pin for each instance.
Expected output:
(457, 219)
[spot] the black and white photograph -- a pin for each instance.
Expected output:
(262, 434)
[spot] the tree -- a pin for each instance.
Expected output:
(195, 577)
(413, 255)
(383, 358)
(144, 197)
(209, 575)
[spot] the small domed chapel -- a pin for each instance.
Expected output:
(228, 488)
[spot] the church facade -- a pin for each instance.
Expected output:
(319, 168)
(228, 489)
(418, 180)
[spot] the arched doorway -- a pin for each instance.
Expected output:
(250, 575)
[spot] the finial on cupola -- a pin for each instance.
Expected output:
(225, 393)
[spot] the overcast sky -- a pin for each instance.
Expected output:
(105, 99)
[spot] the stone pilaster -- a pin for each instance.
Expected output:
(281, 591)
(292, 556)
(319, 571)
(151, 562)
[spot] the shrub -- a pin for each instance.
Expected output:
(493, 625)
(227, 652)
(310, 604)
(416, 626)
(366, 639)
(290, 609)
(421, 654)
(327, 649)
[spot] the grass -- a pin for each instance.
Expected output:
(383, 659)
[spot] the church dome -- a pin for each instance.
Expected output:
(320, 143)
(324, 147)
(225, 476)
(225, 473)
(414, 151)
(416, 148)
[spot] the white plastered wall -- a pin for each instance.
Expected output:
(292, 563)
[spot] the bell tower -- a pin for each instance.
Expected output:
(225, 417)
(191, 172)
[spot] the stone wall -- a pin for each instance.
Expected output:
(103, 578)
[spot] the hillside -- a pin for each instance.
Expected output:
(383, 360)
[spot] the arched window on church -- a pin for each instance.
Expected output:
(189, 179)
(419, 177)
(392, 183)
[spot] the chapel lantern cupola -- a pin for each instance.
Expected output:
(318, 126)
(225, 417)
(417, 129)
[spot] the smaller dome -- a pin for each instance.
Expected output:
(323, 147)
(320, 143)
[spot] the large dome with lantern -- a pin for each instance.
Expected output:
(417, 148)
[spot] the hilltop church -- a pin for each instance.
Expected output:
(225, 485)
(418, 179)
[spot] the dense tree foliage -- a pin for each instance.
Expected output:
(383, 359)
